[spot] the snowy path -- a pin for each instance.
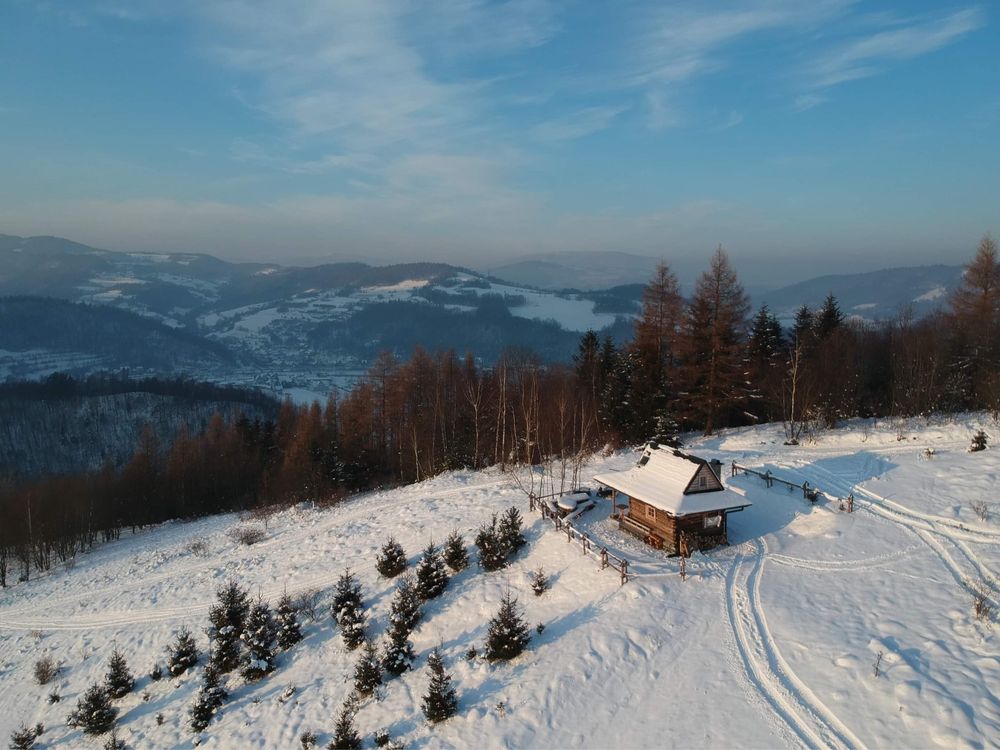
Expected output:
(806, 716)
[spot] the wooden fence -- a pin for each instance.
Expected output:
(607, 559)
(809, 492)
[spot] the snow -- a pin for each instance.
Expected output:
(929, 296)
(865, 306)
(767, 643)
(400, 286)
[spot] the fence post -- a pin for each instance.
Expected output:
(733, 470)
(531, 500)
(624, 572)
(604, 558)
(805, 489)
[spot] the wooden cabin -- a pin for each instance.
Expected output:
(675, 501)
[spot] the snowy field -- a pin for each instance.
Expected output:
(768, 643)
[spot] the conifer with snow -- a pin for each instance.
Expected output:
(509, 530)
(23, 738)
(391, 561)
(119, 680)
(345, 736)
(289, 631)
(454, 552)
(352, 627)
(440, 703)
(432, 579)
(227, 619)
(405, 612)
(398, 655)
(508, 634)
(346, 596)
(258, 638)
(492, 550)
(183, 653)
(368, 671)
(539, 582)
(94, 713)
(211, 696)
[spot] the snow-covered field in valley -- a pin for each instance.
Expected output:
(769, 642)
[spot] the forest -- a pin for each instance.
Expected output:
(697, 364)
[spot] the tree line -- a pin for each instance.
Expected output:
(694, 364)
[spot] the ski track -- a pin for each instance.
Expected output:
(119, 619)
(806, 716)
(924, 526)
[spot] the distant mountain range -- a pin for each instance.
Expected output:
(303, 331)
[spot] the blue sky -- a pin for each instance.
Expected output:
(804, 136)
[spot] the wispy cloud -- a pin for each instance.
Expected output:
(872, 54)
(578, 124)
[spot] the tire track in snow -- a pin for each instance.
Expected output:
(807, 717)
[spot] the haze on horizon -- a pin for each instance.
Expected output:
(807, 138)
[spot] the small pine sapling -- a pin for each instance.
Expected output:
(382, 737)
(431, 576)
(405, 612)
(508, 633)
(398, 654)
(113, 742)
(979, 441)
(45, 669)
(455, 555)
(352, 628)
(492, 551)
(440, 702)
(156, 673)
(391, 561)
(346, 596)
(308, 739)
(368, 671)
(289, 630)
(345, 736)
(258, 638)
(23, 738)
(119, 681)
(94, 713)
(183, 653)
(227, 619)
(510, 530)
(539, 582)
(211, 696)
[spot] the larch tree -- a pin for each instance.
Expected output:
(975, 311)
(655, 347)
(714, 371)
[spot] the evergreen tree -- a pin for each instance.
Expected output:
(346, 597)
(391, 561)
(803, 328)
(227, 619)
(508, 634)
(454, 552)
(431, 576)
(345, 737)
(258, 637)
(22, 738)
(211, 696)
(492, 550)
(765, 355)
(183, 653)
(94, 713)
(405, 612)
(289, 631)
(352, 627)
(440, 703)
(368, 671)
(828, 319)
(398, 654)
(119, 680)
(509, 530)
(539, 582)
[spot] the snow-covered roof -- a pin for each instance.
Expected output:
(661, 478)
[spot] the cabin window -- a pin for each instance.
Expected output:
(644, 460)
(651, 512)
(701, 482)
(713, 522)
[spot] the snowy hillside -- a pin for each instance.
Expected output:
(768, 643)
